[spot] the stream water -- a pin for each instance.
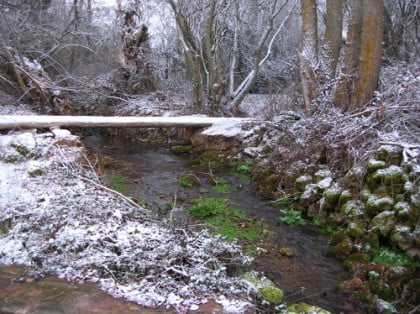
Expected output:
(309, 276)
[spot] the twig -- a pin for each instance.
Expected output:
(52, 297)
(125, 198)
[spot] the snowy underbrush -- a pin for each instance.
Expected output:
(61, 221)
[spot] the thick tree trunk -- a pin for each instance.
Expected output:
(343, 92)
(309, 53)
(333, 34)
(370, 54)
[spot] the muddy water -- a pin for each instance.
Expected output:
(309, 276)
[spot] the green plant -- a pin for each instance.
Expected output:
(229, 222)
(222, 186)
(384, 255)
(184, 182)
(324, 226)
(207, 207)
(286, 202)
(244, 168)
(118, 183)
(292, 218)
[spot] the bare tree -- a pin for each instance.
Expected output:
(211, 66)
(309, 53)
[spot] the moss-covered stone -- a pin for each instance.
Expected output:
(392, 155)
(376, 204)
(403, 209)
(401, 237)
(302, 181)
(271, 294)
(324, 183)
(355, 230)
(365, 194)
(353, 208)
(286, 251)
(310, 195)
(322, 174)
(332, 195)
(374, 165)
(409, 187)
(389, 176)
(355, 259)
(303, 308)
(370, 241)
(266, 289)
(342, 249)
(266, 181)
(345, 196)
(182, 149)
(354, 178)
(383, 223)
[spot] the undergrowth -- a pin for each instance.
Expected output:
(383, 255)
(227, 221)
(222, 186)
(118, 183)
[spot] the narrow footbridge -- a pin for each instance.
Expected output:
(44, 121)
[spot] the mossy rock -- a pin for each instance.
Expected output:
(266, 289)
(266, 182)
(401, 237)
(354, 178)
(376, 204)
(403, 209)
(415, 201)
(374, 165)
(332, 195)
(302, 181)
(389, 176)
(271, 294)
(342, 249)
(337, 237)
(390, 154)
(355, 230)
(383, 223)
(182, 149)
(213, 159)
(345, 196)
(304, 308)
(370, 241)
(322, 174)
(365, 194)
(353, 208)
(355, 259)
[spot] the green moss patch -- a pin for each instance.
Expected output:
(118, 183)
(383, 255)
(227, 221)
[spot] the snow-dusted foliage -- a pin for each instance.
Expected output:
(63, 222)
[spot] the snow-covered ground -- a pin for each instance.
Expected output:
(58, 219)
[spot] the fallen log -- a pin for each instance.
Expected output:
(12, 122)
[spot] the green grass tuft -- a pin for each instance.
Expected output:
(383, 255)
(227, 221)
(292, 218)
(118, 183)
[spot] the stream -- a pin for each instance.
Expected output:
(309, 276)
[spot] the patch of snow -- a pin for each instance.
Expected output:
(64, 224)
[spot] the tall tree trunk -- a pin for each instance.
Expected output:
(370, 53)
(345, 84)
(309, 53)
(333, 33)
